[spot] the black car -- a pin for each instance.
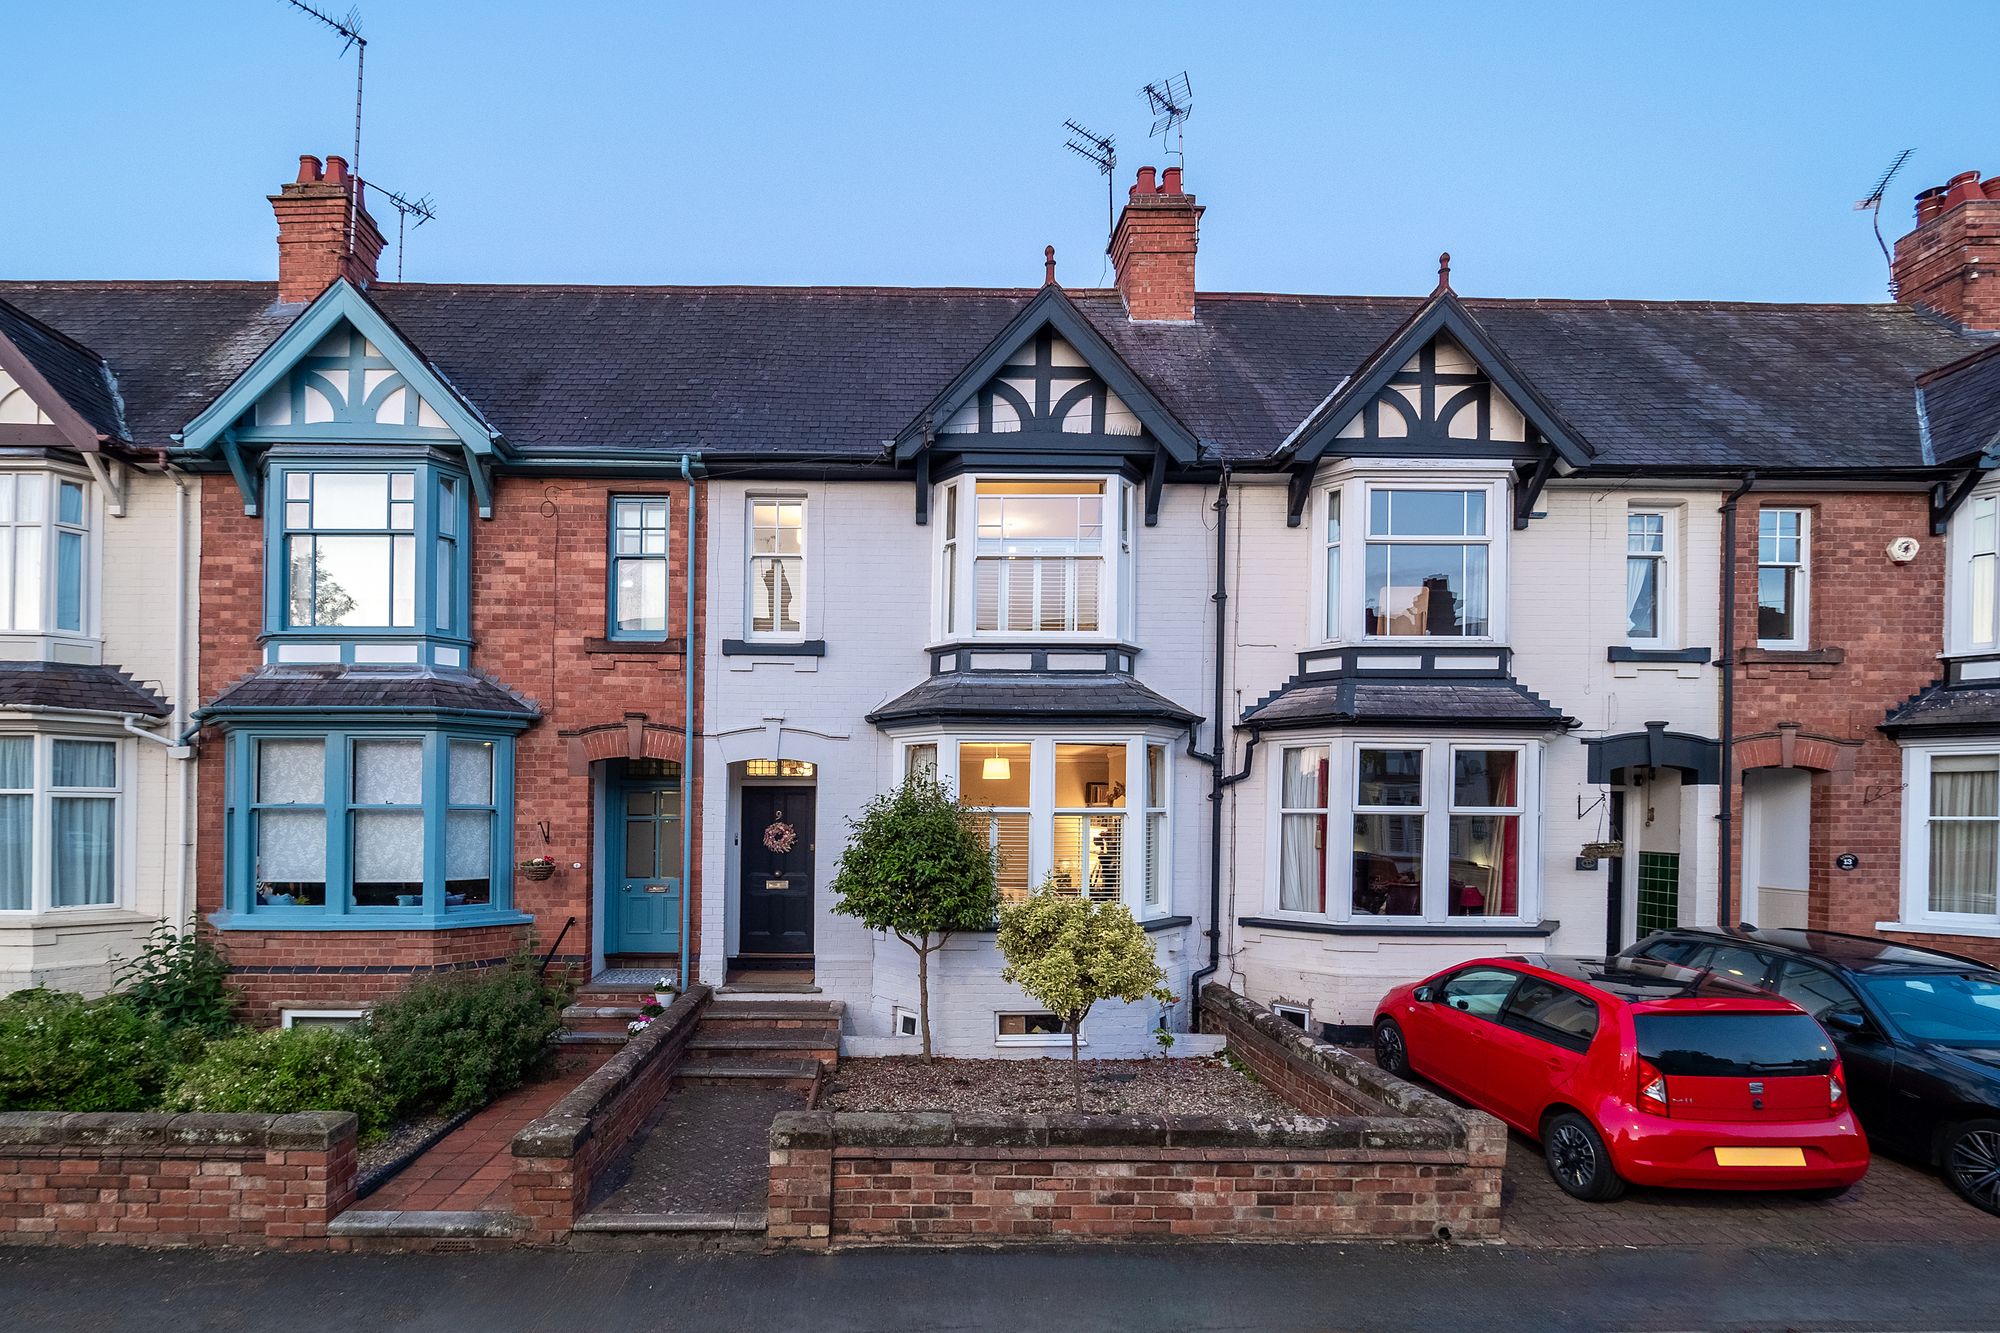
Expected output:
(1918, 1032)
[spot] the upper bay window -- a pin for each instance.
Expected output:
(1973, 580)
(1429, 563)
(1050, 557)
(368, 552)
(61, 816)
(1784, 539)
(44, 542)
(1427, 831)
(1951, 838)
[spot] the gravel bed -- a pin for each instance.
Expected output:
(400, 1140)
(1191, 1086)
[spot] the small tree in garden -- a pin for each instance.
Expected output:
(1069, 953)
(917, 867)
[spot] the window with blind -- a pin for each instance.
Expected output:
(777, 567)
(60, 818)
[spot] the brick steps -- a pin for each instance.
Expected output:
(774, 1013)
(751, 1071)
(817, 1043)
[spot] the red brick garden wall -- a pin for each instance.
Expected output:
(1875, 629)
(539, 588)
(557, 1157)
(160, 1180)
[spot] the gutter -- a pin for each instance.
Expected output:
(688, 671)
(1724, 885)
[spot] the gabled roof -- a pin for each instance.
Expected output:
(1441, 313)
(1052, 308)
(68, 381)
(1961, 409)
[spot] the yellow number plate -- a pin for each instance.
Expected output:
(1760, 1156)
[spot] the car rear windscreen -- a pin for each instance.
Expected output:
(1733, 1045)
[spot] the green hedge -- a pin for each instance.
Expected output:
(61, 1052)
(453, 1043)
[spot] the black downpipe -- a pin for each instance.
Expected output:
(1215, 752)
(1725, 880)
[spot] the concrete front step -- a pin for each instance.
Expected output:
(443, 1225)
(747, 1071)
(672, 1223)
(588, 1039)
(600, 1017)
(774, 1013)
(821, 1044)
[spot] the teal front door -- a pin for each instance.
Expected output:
(644, 913)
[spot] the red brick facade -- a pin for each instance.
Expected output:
(539, 588)
(1875, 627)
(1948, 264)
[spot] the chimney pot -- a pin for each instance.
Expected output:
(1170, 181)
(1961, 188)
(324, 231)
(308, 168)
(336, 168)
(1153, 249)
(1144, 185)
(1939, 265)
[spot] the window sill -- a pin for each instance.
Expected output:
(637, 647)
(1062, 1041)
(1971, 930)
(1151, 924)
(66, 918)
(774, 648)
(1510, 930)
(280, 920)
(1626, 653)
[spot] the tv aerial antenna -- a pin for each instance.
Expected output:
(1100, 151)
(1172, 102)
(349, 30)
(1873, 203)
(423, 208)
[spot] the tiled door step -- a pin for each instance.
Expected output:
(745, 1071)
(446, 1225)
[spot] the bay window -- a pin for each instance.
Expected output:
(44, 538)
(61, 816)
(1049, 557)
(1331, 569)
(1060, 812)
(1783, 537)
(1975, 534)
(1409, 560)
(1433, 830)
(396, 829)
(1951, 838)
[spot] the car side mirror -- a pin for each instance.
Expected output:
(1423, 993)
(1847, 1021)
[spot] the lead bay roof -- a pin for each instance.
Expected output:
(835, 371)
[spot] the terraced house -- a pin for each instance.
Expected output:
(1337, 637)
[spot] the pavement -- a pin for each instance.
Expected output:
(1495, 1290)
(705, 1150)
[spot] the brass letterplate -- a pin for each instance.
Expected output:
(656, 888)
(777, 884)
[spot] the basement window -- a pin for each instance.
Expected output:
(1295, 1014)
(323, 1018)
(905, 1021)
(1030, 1029)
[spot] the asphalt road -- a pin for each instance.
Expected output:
(1222, 1287)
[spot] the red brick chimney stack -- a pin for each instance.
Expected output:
(1951, 262)
(312, 231)
(1153, 248)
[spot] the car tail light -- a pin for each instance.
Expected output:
(1836, 1091)
(1652, 1089)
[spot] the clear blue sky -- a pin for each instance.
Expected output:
(1601, 149)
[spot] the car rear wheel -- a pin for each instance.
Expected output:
(1391, 1052)
(1972, 1162)
(1578, 1159)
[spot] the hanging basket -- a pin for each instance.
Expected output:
(537, 869)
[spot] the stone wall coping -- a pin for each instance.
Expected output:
(144, 1132)
(564, 1128)
(932, 1129)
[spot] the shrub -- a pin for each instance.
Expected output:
(179, 978)
(286, 1071)
(1069, 953)
(454, 1043)
(61, 1052)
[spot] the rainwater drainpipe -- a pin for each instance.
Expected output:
(1723, 883)
(1215, 754)
(689, 661)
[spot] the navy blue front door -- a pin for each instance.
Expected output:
(643, 914)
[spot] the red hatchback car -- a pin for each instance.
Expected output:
(1633, 1071)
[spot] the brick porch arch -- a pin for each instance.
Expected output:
(632, 737)
(1789, 747)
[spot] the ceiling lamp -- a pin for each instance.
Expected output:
(996, 768)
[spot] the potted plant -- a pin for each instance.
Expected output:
(665, 990)
(537, 867)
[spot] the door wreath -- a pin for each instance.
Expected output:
(780, 837)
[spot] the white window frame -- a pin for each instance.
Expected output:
(89, 589)
(1299, 1015)
(1156, 888)
(1346, 594)
(898, 1017)
(1914, 896)
(1802, 584)
(339, 1017)
(1032, 1038)
(1666, 586)
(1344, 755)
(802, 593)
(1966, 548)
(41, 879)
(955, 515)
(1041, 809)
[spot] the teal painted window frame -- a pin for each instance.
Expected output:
(242, 910)
(614, 558)
(441, 582)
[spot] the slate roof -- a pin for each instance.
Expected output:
(1962, 407)
(99, 689)
(1025, 696)
(836, 371)
(293, 688)
(72, 370)
(1948, 708)
(1364, 701)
